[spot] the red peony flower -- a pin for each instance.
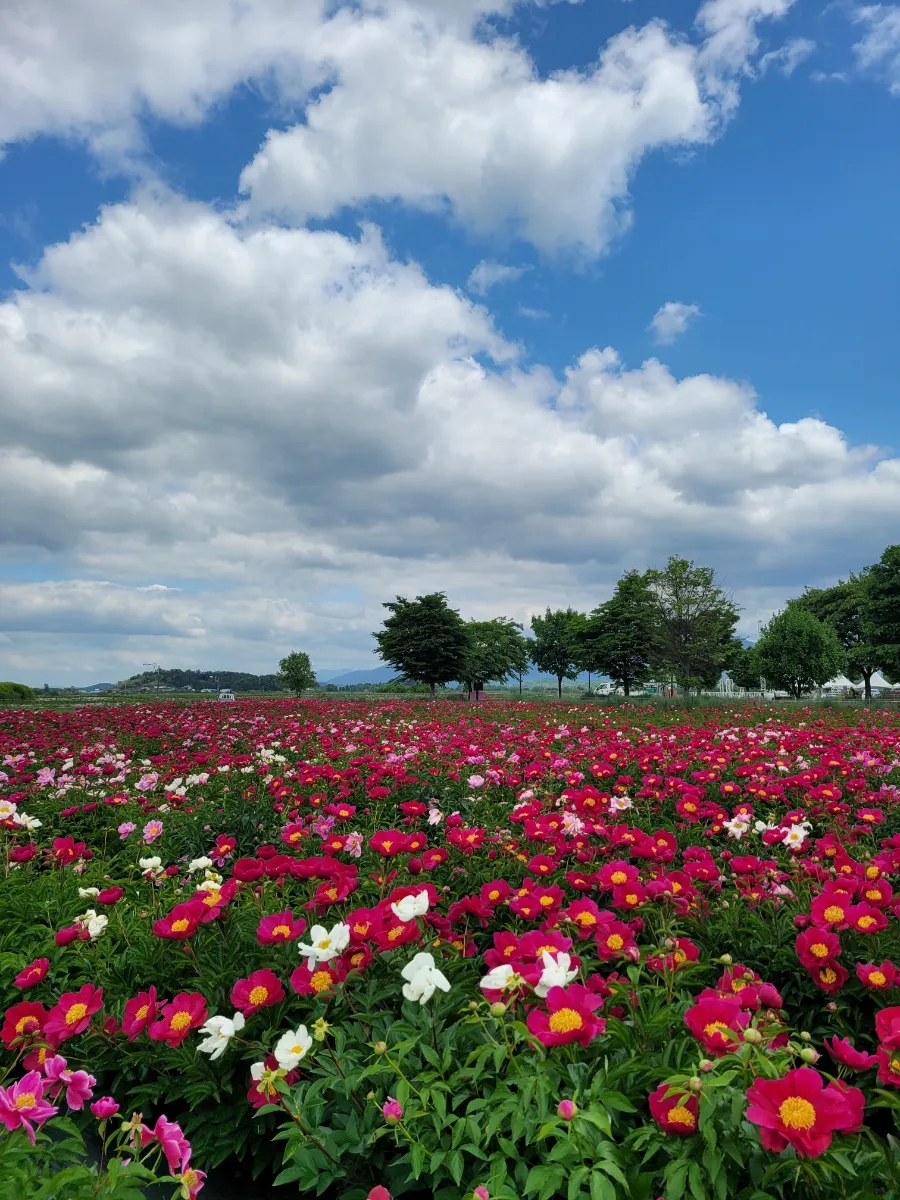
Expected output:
(280, 927)
(320, 982)
(717, 1024)
(866, 919)
(675, 1114)
(887, 1026)
(800, 1111)
(32, 974)
(181, 923)
(73, 1011)
(186, 1012)
(843, 1052)
(260, 989)
(829, 976)
(888, 1066)
(111, 895)
(569, 1017)
(877, 978)
(139, 1012)
(815, 946)
(23, 1022)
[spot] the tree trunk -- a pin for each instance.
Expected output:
(520, 684)
(559, 680)
(867, 680)
(626, 686)
(589, 683)
(431, 685)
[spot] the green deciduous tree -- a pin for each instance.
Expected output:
(617, 638)
(495, 650)
(797, 651)
(424, 639)
(845, 607)
(554, 649)
(295, 670)
(694, 623)
(883, 609)
(742, 665)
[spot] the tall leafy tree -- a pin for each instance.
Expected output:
(424, 639)
(494, 651)
(742, 665)
(694, 622)
(617, 638)
(796, 651)
(845, 607)
(554, 648)
(295, 671)
(883, 609)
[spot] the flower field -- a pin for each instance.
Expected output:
(495, 951)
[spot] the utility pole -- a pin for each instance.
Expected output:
(156, 665)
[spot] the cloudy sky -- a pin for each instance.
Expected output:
(307, 303)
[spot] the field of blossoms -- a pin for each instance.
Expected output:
(497, 951)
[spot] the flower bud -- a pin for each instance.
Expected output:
(473, 1004)
(379, 1193)
(809, 1055)
(831, 1006)
(695, 1083)
(370, 1095)
(498, 1009)
(481, 1193)
(726, 960)
(753, 1036)
(805, 1036)
(381, 1048)
(393, 1111)
(706, 1064)
(567, 1109)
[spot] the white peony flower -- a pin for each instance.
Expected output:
(199, 864)
(556, 973)
(85, 893)
(219, 1032)
(411, 907)
(326, 944)
(291, 1047)
(150, 864)
(501, 979)
(423, 978)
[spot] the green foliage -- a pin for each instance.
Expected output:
(296, 672)
(59, 1167)
(617, 638)
(883, 611)
(495, 650)
(554, 649)
(172, 678)
(15, 691)
(797, 651)
(742, 665)
(694, 623)
(845, 607)
(424, 639)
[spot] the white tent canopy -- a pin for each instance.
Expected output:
(839, 681)
(877, 681)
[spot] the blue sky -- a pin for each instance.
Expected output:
(236, 423)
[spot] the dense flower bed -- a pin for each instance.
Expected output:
(505, 951)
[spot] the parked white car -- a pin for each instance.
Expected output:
(226, 694)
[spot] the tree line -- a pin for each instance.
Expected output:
(674, 624)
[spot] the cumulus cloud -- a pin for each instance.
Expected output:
(879, 49)
(672, 320)
(488, 274)
(425, 114)
(284, 427)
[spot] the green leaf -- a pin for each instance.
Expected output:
(456, 1166)
(416, 1159)
(602, 1188)
(576, 1179)
(695, 1180)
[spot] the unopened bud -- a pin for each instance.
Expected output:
(726, 960)
(831, 1006)
(805, 1037)
(381, 1048)
(567, 1109)
(695, 1083)
(706, 1064)
(498, 1009)
(473, 1004)
(370, 1095)
(809, 1055)
(753, 1036)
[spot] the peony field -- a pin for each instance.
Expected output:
(495, 951)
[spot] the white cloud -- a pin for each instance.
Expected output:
(879, 49)
(259, 434)
(787, 58)
(425, 114)
(488, 274)
(672, 320)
